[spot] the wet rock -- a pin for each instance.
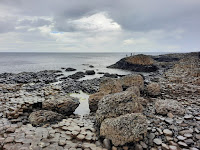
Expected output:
(124, 129)
(61, 104)
(138, 63)
(41, 117)
(77, 75)
(94, 99)
(165, 106)
(89, 72)
(70, 69)
(114, 105)
(153, 89)
(110, 75)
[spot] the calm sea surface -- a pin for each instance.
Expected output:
(32, 62)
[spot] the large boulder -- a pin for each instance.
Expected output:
(42, 117)
(153, 89)
(89, 72)
(138, 63)
(132, 80)
(165, 106)
(110, 85)
(61, 104)
(114, 105)
(134, 89)
(124, 129)
(94, 99)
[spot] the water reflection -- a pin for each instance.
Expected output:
(83, 107)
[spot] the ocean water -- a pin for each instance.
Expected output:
(33, 62)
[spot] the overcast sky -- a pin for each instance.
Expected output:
(99, 25)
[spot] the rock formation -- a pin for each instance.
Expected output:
(124, 129)
(61, 104)
(138, 63)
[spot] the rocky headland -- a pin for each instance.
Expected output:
(157, 111)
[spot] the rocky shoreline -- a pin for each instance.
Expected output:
(158, 110)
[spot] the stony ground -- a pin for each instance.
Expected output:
(167, 130)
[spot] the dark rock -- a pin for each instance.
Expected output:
(163, 58)
(138, 63)
(110, 75)
(91, 66)
(89, 72)
(70, 69)
(77, 75)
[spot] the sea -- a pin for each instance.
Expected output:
(34, 62)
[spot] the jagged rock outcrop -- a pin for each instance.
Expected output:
(114, 105)
(165, 106)
(124, 129)
(42, 117)
(138, 63)
(61, 104)
(132, 83)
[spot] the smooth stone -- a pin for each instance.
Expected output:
(182, 144)
(157, 141)
(188, 117)
(189, 141)
(165, 146)
(169, 120)
(181, 138)
(188, 135)
(167, 132)
(81, 137)
(107, 143)
(172, 147)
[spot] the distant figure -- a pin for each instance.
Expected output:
(131, 54)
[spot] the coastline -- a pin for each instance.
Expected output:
(24, 93)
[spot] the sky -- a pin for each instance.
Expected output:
(99, 25)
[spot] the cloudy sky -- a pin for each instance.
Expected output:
(99, 25)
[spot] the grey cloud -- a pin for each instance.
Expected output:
(132, 15)
(34, 23)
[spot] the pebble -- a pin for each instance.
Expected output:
(187, 117)
(182, 144)
(167, 132)
(181, 138)
(107, 143)
(157, 141)
(169, 120)
(172, 147)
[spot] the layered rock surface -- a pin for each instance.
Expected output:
(138, 63)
